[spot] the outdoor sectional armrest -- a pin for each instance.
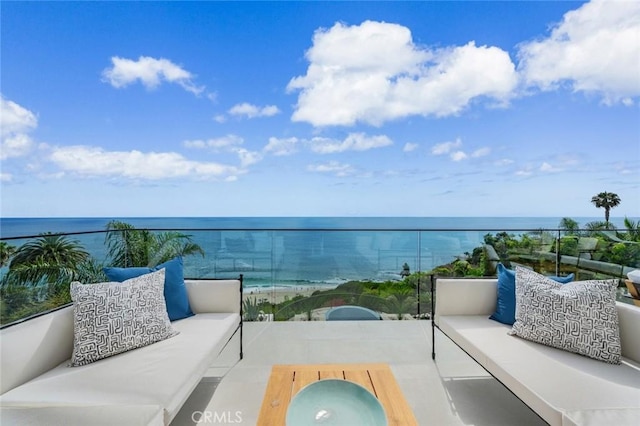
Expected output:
(214, 296)
(465, 297)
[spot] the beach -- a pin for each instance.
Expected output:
(279, 294)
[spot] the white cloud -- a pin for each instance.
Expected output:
(481, 152)
(548, 168)
(247, 157)
(595, 49)
(333, 167)
(503, 162)
(90, 161)
(229, 143)
(15, 124)
(17, 145)
(6, 177)
(353, 142)
(458, 156)
(150, 72)
(446, 147)
(253, 111)
(408, 147)
(220, 118)
(373, 73)
(215, 144)
(197, 144)
(281, 147)
(15, 118)
(524, 172)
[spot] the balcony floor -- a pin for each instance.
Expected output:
(452, 391)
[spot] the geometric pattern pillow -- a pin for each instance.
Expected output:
(111, 318)
(579, 317)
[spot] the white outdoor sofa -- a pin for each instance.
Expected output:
(145, 386)
(563, 388)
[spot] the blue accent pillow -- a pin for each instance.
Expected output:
(175, 292)
(506, 303)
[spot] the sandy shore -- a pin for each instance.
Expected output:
(279, 295)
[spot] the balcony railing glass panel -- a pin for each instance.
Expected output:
(292, 273)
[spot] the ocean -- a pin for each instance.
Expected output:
(296, 251)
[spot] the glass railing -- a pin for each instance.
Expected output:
(298, 274)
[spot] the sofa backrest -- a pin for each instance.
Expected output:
(459, 296)
(466, 296)
(207, 296)
(35, 346)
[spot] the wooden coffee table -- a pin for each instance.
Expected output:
(286, 380)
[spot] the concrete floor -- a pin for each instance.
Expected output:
(454, 390)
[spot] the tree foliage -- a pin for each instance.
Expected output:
(6, 252)
(128, 246)
(569, 226)
(39, 275)
(41, 270)
(49, 260)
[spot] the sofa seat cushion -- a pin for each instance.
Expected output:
(162, 374)
(541, 375)
(599, 417)
(95, 415)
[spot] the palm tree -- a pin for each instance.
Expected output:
(607, 201)
(49, 259)
(633, 230)
(401, 302)
(569, 225)
(6, 251)
(128, 246)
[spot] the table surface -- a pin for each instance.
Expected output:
(286, 380)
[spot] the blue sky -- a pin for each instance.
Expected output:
(319, 108)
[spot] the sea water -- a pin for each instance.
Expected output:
(291, 252)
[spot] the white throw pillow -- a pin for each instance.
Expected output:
(579, 317)
(111, 318)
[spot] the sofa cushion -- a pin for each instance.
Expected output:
(579, 317)
(506, 304)
(510, 360)
(603, 416)
(162, 374)
(175, 293)
(82, 415)
(111, 318)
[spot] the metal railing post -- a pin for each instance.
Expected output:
(433, 324)
(419, 269)
(241, 315)
(558, 254)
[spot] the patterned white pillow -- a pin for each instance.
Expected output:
(111, 318)
(579, 317)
